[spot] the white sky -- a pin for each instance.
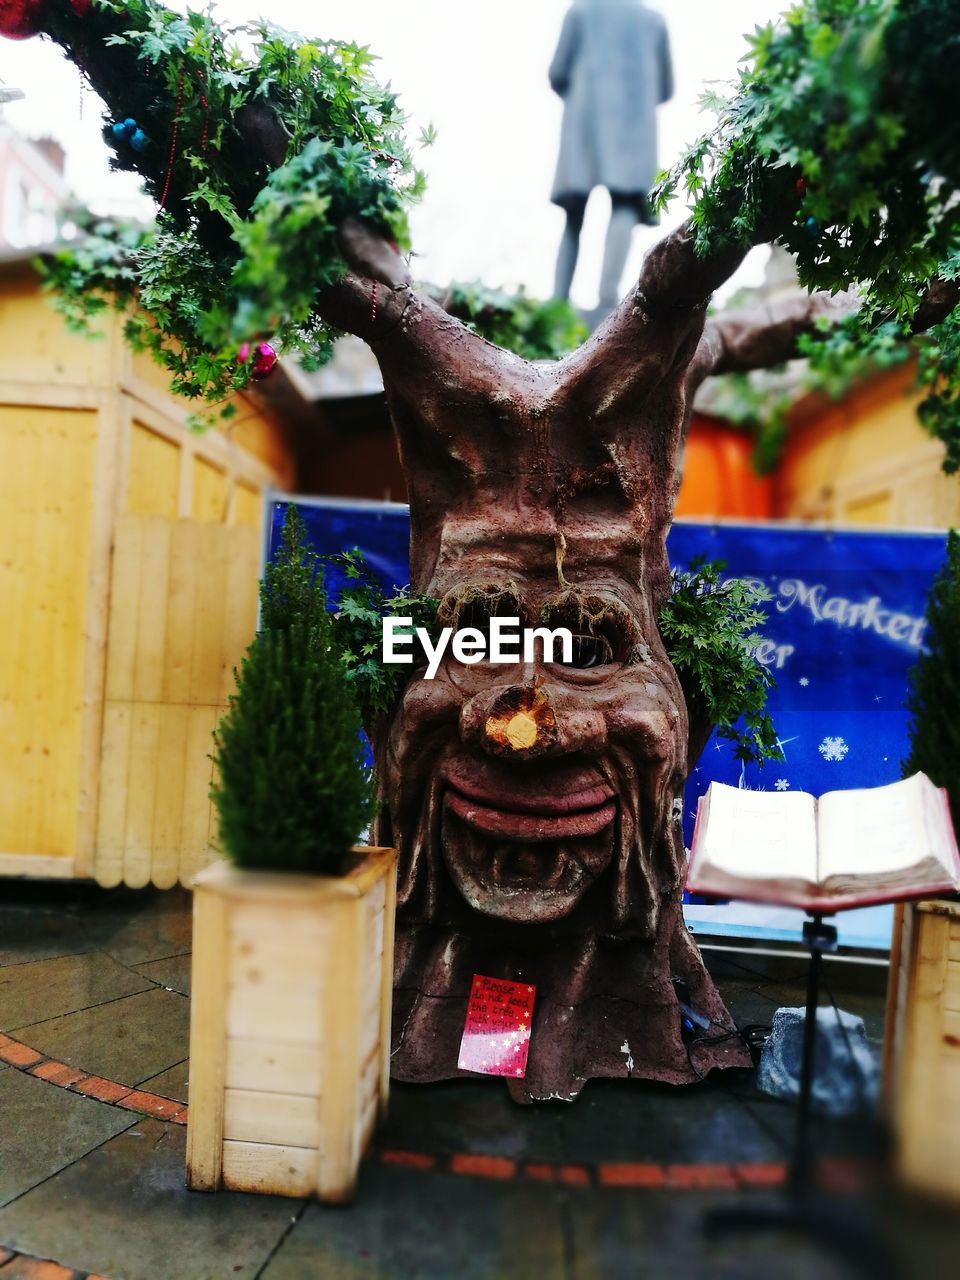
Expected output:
(480, 74)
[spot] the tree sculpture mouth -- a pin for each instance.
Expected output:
(528, 818)
(526, 843)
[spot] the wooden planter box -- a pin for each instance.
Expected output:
(922, 1065)
(289, 1026)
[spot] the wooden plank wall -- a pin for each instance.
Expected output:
(866, 460)
(49, 457)
(183, 607)
(925, 1084)
(87, 432)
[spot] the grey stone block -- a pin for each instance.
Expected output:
(846, 1075)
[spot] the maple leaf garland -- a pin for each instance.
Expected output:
(838, 141)
(252, 140)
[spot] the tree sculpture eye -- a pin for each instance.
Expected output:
(590, 651)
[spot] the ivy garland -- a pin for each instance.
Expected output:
(839, 142)
(242, 247)
(533, 329)
(111, 266)
(709, 625)
(239, 254)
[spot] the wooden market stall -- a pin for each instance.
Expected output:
(922, 1047)
(129, 557)
(865, 460)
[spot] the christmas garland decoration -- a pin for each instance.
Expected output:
(256, 144)
(839, 142)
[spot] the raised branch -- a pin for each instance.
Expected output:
(761, 337)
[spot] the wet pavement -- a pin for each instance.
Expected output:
(461, 1183)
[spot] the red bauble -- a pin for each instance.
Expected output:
(81, 7)
(20, 18)
(264, 361)
(801, 186)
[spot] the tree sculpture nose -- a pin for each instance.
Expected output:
(521, 721)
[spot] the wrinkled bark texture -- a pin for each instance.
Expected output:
(537, 807)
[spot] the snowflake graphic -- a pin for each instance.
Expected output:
(833, 749)
(782, 784)
(804, 681)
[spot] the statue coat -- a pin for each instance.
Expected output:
(612, 68)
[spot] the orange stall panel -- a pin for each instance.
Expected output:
(718, 478)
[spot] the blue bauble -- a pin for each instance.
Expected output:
(812, 228)
(129, 124)
(119, 132)
(138, 140)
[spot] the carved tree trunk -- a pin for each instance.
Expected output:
(537, 807)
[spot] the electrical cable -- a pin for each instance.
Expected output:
(752, 1037)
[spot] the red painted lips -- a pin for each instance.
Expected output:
(567, 802)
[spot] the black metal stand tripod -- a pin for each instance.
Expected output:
(801, 1210)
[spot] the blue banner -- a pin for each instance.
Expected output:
(845, 623)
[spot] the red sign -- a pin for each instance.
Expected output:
(496, 1034)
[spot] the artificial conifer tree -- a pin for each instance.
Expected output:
(934, 697)
(293, 793)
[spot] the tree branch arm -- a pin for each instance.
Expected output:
(939, 300)
(675, 277)
(762, 336)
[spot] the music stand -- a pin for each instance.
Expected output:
(802, 1209)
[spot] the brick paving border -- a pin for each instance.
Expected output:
(33, 1063)
(24, 1266)
(624, 1175)
(836, 1174)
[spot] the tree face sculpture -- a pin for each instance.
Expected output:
(537, 807)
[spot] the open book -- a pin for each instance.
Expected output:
(847, 849)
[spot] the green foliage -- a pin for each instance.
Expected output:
(933, 700)
(841, 354)
(533, 329)
(839, 142)
(292, 792)
(359, 625)
(939, 370)
(240, 250)
(709, 630)
(97, 274)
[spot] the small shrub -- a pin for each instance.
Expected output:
(292, 792)
(933, 699)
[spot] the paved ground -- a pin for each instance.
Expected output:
(94, 1011)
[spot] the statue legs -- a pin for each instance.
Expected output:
(574, 207)
(623, 218)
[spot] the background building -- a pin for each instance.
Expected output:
(34, 196)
